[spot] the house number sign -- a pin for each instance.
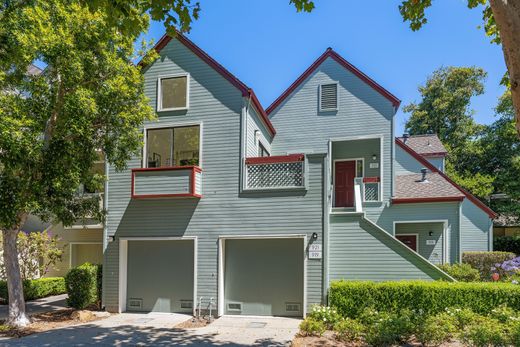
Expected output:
(315, 251)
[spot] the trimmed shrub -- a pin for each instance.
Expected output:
(485, 261)
(461, 272)
(348, 330)
(507, 244)
(36, 289)
(328, 315)
(435, 330)
(311, 327)
(351, 298)
(83, 285)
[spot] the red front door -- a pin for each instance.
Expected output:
(409, 240)
(344, 183)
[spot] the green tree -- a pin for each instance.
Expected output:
(501, 22)
(445, 110)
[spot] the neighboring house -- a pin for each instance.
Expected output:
(255, 211)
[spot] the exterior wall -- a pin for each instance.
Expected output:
(434, 253)
(254, 125)
(71, 236)
(222, 210)
(437, 162)
(405, 164)
(425, 212)
(359, 251)
(475, 228)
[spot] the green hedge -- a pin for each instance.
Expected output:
(484, 261)
(83, 285)
(507, 244)
(351, 298)
(38, 288)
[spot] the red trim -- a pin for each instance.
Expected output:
(432, 168)
(371, 179)
(246, 91)
(167, 168)
(276, 159)
(436, 199)
(330, 53)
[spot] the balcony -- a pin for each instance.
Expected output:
(276, 172)
(163, 182)
(369, 187)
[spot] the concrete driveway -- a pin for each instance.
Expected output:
(51, 303)
(156, 329)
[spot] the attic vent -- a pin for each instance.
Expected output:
(134, 303)
(292, 307)
(186, 303)
(234, 306)
(329, 97)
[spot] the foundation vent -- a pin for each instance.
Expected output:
(186, 303)
(292, 307)
(234, 306)
(135, 303)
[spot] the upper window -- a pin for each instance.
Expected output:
(177, 146)
(329, 97)
(173, 93)
(262, 152)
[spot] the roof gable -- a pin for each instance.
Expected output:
(330, 53)
(432, 168)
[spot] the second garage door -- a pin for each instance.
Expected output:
(264, 276)
(160, 276)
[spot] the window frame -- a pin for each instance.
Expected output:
(262, 149)
(320, 108)
(159, 92)
(168, 125)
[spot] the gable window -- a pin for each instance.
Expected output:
(173, 93)
(262, 152)
(176, 146)
(328, 98)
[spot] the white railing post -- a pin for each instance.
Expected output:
(357, 195)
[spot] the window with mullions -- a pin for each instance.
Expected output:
(178, 146)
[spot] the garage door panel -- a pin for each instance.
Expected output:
(264, 276)
(160, 276)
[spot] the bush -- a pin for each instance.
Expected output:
(351, 298)
(485, 332)
(311, 327)
(436, 330)
(507, 244)
(329, 316)
(461, 272)
(83, 285)
(504, 314)
(514, 333)
(389, 328)
(348, 330)
(485, 261)
(38, 288)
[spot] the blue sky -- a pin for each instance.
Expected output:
(268, 45)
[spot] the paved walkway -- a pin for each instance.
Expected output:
(156, 329)
(50, 303)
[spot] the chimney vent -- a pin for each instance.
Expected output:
(406, 136)
(423, 172)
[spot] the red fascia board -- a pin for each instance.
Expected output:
(371, 179)
(432, 168)
(435, 199)
(193, 169)
(276, 159)
(343, 62)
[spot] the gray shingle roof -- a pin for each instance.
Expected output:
(411, 187)
(425, 144)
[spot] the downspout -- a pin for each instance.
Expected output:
(243, 140)
(392, 156)
(105, 229)
(460, 231)
(326, 216)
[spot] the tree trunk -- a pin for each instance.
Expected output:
(17, 316)
(507, 18)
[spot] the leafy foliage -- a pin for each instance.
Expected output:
(389, 328)
(436, 329)
(312, 327)
(352, 298)
(461, 272)
(348, 330)
(38, 288)
(483, 332)
(328, 315)
(38, 252)
(83, 285)
(507, 244)
(485, 262)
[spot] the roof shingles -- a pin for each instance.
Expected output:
(426, 145)
(435, 187)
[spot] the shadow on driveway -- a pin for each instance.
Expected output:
(51, 303)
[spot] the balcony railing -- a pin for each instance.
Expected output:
(276, 172)
(161, 182)
(370, 188)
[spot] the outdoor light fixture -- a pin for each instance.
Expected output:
(374, 157)
(111, 238)
(430, 233)
(314, 236)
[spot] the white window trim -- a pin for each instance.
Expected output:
(159, 93)
(321, 109)
(167, 125)
(81, 243)
(445, 229)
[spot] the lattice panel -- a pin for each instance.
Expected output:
(371, 191)
(275, 175)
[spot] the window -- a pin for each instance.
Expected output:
(173, 93)
(262, 152)
(177, 146)
(329, 97)
(359, 168)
